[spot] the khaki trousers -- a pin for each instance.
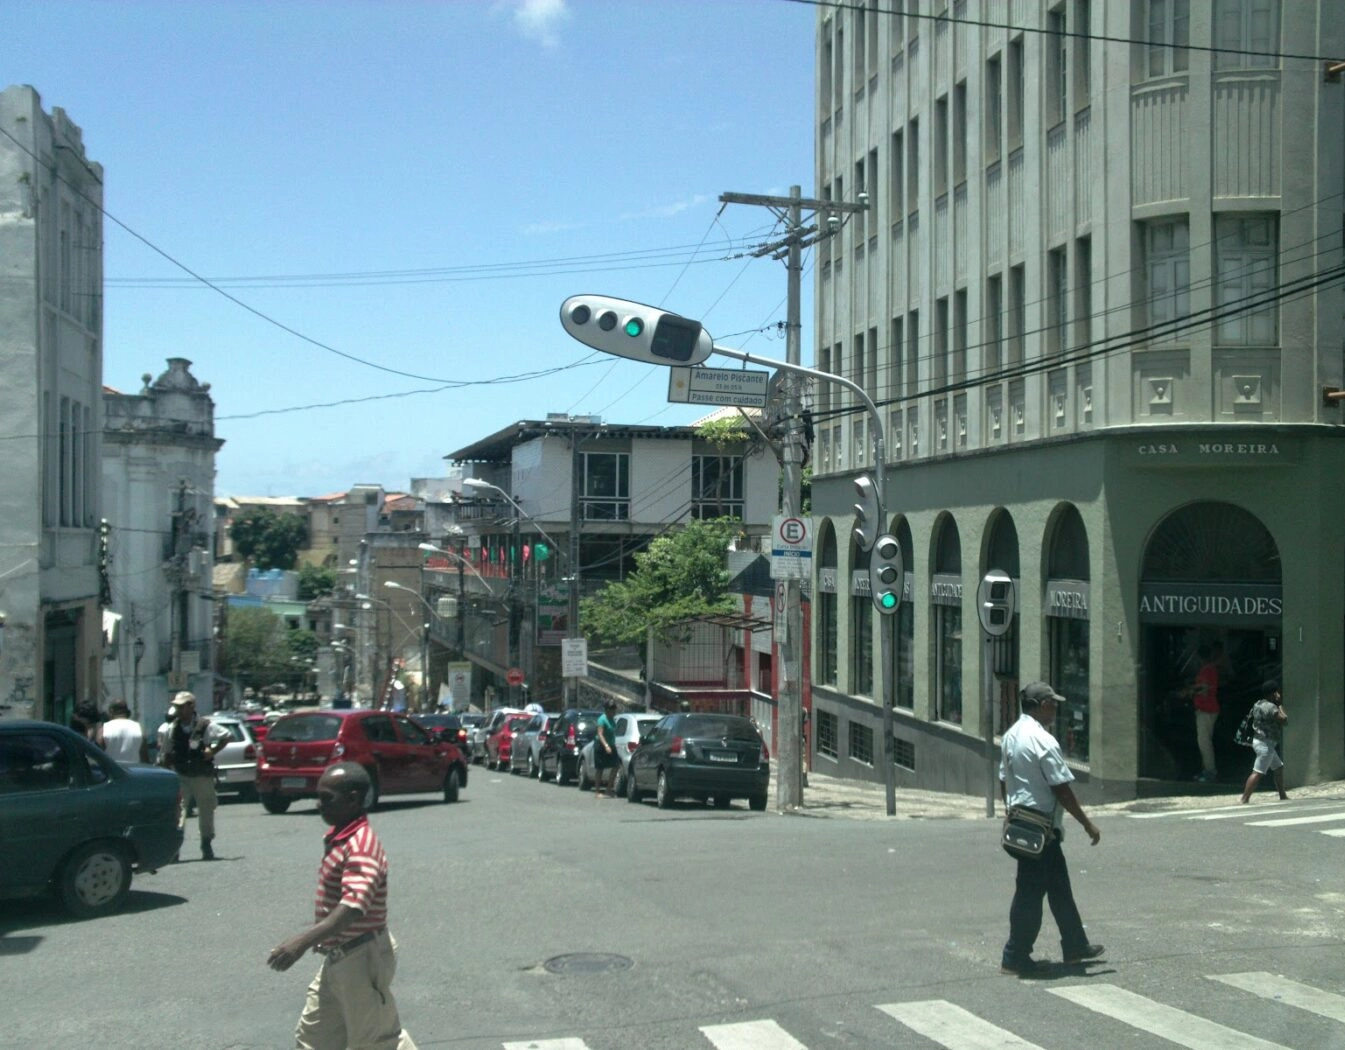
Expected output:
(201, 790)
(350, 1004)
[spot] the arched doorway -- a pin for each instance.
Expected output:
(945, 597)
(1068, 599)
(1001, 552)
(1209, 609)
(824, 663)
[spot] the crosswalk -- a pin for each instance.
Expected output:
(1308, 815)
(951, 1026)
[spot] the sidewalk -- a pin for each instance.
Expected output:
(835, 797)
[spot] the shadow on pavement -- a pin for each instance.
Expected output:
(35, 913)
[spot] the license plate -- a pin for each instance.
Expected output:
(723, 756)
(238, 774)
(294, 782)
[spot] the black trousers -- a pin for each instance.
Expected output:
(1046, 877)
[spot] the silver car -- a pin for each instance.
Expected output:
(236, 764)
(527, 751)
(482, 732)
(629, 728)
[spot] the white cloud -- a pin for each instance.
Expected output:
(540, 20)
(668, 211)
(536, 229)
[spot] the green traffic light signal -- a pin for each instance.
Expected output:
(634, 327)
(887, 600)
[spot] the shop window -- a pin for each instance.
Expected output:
(861, 627)
(904, 657)
(946, 602)
(826, 610)
(827, 732)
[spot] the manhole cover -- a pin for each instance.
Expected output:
(586, 962)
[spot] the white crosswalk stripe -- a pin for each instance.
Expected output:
(548, 1044)
(1312, 812)
(751, 1035)
(1283, 990)
(953, 1027)
(1167, 1022)
(1290, 822)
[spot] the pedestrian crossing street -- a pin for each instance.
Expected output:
(1308, 815)
(945, 1024)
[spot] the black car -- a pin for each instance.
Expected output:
(559, 756)
(446, 727)
(703, 756)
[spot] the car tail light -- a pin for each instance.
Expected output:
(249, 752)
(675, 748)
(569, 736)
(765, 753)
(631, 745)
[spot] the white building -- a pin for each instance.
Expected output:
(1096, 292)
(158, 475)
(51, 360)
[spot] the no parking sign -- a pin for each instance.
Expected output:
(791, 547)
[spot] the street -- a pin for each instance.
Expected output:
(694, 927)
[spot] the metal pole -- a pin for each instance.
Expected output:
(572, 588)
(988, 686)
(515, 599)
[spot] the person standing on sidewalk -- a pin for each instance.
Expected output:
(1268, 719)
(1033, 774)
(349, 1002)
(193, 744)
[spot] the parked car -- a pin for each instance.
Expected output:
(482, 733)
(256, 721)
(704, 756)
(526, 753)
(400, 756)
(74, 820)
(500, 744)
(559, 755)
(236, 764)
(629, 728)
(446, 727)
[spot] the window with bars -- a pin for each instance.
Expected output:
(861, 742)
(826, 732)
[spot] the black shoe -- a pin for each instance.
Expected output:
(206, 852)
(1088, 951)
(1019, 969)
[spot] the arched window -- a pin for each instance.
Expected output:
(904, 656)
(861, 624)
(1002, 554)
(1068, 597)
(946, 607)
(826, 607)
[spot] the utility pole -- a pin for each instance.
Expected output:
(572, 586)
(789, 712)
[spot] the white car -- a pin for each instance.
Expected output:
(236, 764)
(629, 728)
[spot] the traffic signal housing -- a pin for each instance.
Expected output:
(886, 574)
(868, 513)
(633, 330)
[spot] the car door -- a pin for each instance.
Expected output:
(42, 810)
(643, 759)
(426, 763)
(393, 758)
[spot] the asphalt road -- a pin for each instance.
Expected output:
(533, 916)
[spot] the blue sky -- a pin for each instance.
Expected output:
(465, 165)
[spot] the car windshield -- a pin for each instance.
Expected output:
(718, 726)
(306, 729)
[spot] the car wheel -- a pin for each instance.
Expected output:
(451, 785)
(722, 801)
(561, 778)
(275, 804)
(371, 796)
(95, 880)
(663, 791)
(619, 784)
(632, 792)
(581, 778)
(534, 770)
(757, 802)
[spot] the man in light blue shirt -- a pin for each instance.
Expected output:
(1033, 774)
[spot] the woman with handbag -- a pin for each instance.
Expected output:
(1034, 777)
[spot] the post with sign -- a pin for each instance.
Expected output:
(996, 602)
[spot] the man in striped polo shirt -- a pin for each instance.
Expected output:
(350, 1004)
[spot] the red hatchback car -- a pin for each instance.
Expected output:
(500, 744)
(401, 757)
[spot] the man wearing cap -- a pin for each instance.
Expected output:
(349, 1003)
(1033, 774)
(189, 748)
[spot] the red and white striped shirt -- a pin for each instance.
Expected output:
(354, 872)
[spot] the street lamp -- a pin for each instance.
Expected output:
(424, 638)
(137, 651)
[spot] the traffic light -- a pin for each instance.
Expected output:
(998, 602)
(868, 513)
(886, 575)
(642, 333)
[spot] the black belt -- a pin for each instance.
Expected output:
(346, 947)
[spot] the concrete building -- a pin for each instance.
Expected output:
(52, 558)
(158, 477)
(1096, 293)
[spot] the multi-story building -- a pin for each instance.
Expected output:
(52, 556)
(1097, 295)
(158, 477)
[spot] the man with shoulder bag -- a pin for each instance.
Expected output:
(1034, 782)
(189, 749)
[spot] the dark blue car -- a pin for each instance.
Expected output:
(74, 821)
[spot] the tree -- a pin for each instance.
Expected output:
(315, 581)
(256, 647)
(269, 540)
(683, 574)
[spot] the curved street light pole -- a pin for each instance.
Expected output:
(424, 638)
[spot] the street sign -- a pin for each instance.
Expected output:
(574, 658)
(718, 386)
(514, 676)
(791, 548)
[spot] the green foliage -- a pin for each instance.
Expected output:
(269, 540)
(303, 643)
(726, 434)
(315, 581)
(256, 646)
(683, 574)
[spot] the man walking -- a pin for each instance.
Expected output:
(123, 739)
(192, 744)
(349, 1003)
(1033, 774)
(1268, 719)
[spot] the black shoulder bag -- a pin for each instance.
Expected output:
(1026, 832)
